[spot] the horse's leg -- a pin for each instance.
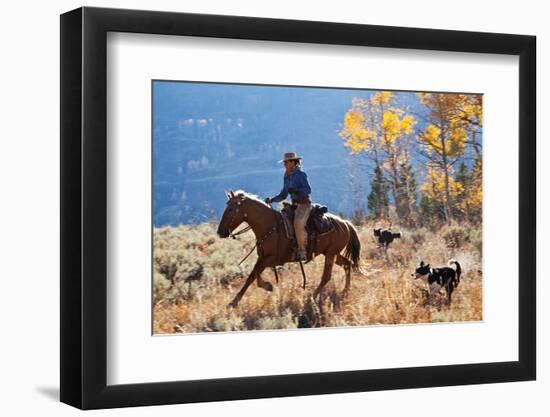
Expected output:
(346, 264)
(267, 261)
(263, 283)
(276, 274)
(256, 271)
(327, 271)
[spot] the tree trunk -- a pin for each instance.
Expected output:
(476, 145)
(395, 192)
(394, 175)
(448, 202)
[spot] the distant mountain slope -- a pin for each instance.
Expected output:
(208, 138)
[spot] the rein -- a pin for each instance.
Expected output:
(240, 232)
(259, 242)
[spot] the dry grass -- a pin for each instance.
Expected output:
(196, 276)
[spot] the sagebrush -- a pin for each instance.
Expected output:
(196, 274)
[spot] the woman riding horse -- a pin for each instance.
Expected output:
(341, 246)
(295, 183)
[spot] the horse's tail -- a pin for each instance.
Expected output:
(353, 249)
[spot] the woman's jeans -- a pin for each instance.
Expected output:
(300, 219)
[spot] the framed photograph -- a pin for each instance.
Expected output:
(257, 208)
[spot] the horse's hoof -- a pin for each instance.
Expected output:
(233, 304)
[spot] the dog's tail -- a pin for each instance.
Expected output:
(456, 267)
(396, 235)
(353, 249)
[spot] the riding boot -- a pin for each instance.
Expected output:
(301, 255)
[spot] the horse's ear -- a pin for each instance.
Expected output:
(226, 194)
(231, 193)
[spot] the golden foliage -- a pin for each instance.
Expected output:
(380, 128)
(457, 142)
(356, 136)
(393, 126)
(472, 110)
(382, 98)
(434, 185)
(451, 142)
(472, 197)
(374, 122)
(443, 106)
(431, 136)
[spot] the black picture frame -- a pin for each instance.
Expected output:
(84, 207)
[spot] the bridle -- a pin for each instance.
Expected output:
(240, 232)
(246, 229)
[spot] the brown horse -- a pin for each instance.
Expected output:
(274, 248)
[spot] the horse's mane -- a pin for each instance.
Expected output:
(250, 196)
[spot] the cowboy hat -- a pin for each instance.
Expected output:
(290, 156)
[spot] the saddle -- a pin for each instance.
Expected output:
(317, 224)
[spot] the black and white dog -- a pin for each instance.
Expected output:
(385, 237)
(447, 276)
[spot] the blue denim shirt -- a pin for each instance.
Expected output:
(297, 182)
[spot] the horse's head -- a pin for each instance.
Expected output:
(233, 215)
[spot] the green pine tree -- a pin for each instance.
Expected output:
(408, 191)
(431, 211)
(378, 200)
(463, 177)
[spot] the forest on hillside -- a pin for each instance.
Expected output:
(448, 187)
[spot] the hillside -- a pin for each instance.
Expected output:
(208, 138)
(196, 274)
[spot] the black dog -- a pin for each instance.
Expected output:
(385, 237)
(447, 276)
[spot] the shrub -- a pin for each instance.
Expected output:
(285, 321)
(454, 236)
(475, 237)
(224, 324)
(160, 286)
(419, 236)
(208, 276)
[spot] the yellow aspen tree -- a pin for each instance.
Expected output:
(377, 127)
(395, 125)
(436, 185)
(475, 192)
(471, 117)
(444, 138)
